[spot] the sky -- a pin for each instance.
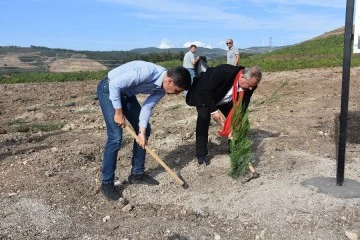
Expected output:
(106, 25)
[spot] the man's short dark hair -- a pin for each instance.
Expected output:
(193, 45)
(181, 77)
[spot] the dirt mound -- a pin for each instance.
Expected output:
(12, 60)
(49, 180)
(34, 61)
(72, 65)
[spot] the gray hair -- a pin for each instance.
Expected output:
(251, 72)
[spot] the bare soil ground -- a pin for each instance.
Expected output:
(49, 180)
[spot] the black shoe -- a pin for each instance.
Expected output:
(110, 192)
(142, 179)
(203, 159)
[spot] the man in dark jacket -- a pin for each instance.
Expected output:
(211, 93)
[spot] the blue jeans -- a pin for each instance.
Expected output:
(131, 109)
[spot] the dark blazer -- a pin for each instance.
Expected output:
(212, 86)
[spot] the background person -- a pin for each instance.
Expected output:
(190, 61)
(117, 97)
(233, 55)
(211, 94)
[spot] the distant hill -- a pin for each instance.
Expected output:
(210, 53)
(42, 59)
(322, 51)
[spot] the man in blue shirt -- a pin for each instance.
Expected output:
(117, 97)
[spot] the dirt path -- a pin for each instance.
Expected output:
(49, 180)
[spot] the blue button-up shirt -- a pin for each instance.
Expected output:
(137, 77)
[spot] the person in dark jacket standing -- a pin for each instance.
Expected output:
(211, 94)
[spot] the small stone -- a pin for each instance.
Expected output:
(127, 208)
(232, 216)
(217, 237)
(67, 127)
(69, 104)
(12, 194)
(123, 201)
(201, 212)
(54, 149)
(31, 108)
(106, 218)
(321, 133)
(351, 235)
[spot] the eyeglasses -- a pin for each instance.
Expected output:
(229, 43)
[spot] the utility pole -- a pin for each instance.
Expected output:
(348, 37)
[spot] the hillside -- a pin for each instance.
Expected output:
(325, 50)
(209, 53)
(42, 59)
(338, 31)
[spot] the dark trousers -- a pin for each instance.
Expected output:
(202, 127)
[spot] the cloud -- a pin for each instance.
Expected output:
(207, 15)
(215, 15)
(286, 17)
(197, 43)
(164, 44)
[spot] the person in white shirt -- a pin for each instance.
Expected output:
(233, 55)
(190, 61)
